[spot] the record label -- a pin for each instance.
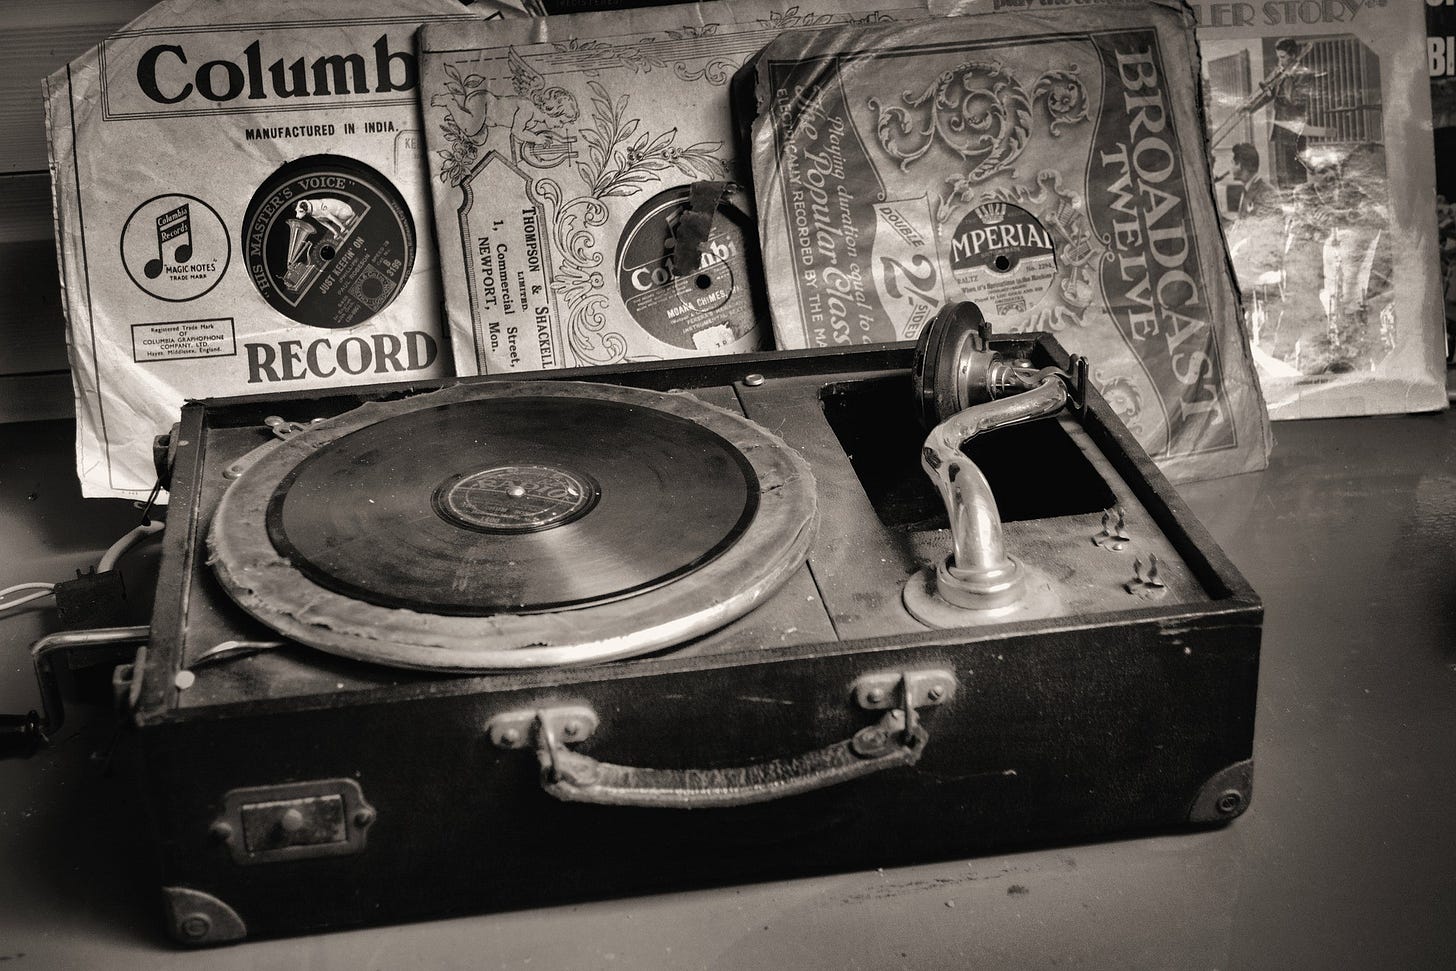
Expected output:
(1002, 257)
(704, 310)
(516, 498)
(329, 241)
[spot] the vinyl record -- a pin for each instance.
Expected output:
(328, 241)
(716, 304)
(518, 505)
(513, 524)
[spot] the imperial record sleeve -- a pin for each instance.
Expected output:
(241, 206)
(570, 155)
(1047, 165)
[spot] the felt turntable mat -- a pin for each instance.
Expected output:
(515, 505)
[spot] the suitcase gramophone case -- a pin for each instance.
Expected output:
(293, 789)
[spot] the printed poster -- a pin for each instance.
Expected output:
(1320, 135)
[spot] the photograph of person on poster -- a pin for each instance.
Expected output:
(1305, 199)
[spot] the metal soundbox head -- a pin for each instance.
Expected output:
(950, 362)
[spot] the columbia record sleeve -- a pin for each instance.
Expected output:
(562, 152)
(241, 206)
(1047, 164)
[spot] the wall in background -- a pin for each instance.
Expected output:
(36, 37)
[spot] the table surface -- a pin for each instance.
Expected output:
(1347, 858)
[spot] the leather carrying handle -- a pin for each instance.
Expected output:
(574, 777)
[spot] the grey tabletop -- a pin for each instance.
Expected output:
(1347, 858)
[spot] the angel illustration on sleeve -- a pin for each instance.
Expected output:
(534, 113)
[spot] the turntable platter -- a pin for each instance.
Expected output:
(513, 524)
(515, 504)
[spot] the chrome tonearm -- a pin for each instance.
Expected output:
(963, 389)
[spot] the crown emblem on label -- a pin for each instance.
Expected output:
(992, 212)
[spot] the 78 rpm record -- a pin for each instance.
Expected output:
(328, 241)
(1003, 258)
(513, 505)
(717, 304)
(514, 524)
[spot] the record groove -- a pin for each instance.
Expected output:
(467, 508)
(724, 513)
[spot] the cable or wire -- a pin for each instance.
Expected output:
(25, 600)
(115, 551)
(40, 590)
(34, 585)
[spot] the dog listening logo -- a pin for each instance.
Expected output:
(328, 242)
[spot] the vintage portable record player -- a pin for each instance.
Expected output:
(824, 640)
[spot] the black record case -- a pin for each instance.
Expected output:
(292, 790)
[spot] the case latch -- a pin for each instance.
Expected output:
(296, 821)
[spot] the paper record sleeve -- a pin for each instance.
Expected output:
(551, 145)
(1050, 168)
(238, 196)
